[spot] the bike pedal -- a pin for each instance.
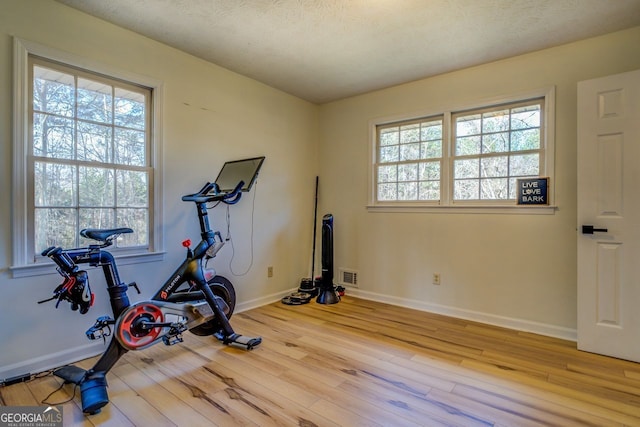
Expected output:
(245, 343)
(173, 340)
(100, 329)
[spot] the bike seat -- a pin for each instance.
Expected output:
(104, 235)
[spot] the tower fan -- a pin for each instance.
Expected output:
(327, 293)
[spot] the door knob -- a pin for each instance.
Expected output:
(590, 229)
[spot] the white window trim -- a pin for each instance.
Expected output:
(22, 266)
(482, 206)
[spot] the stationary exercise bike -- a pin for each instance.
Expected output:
(193, 299)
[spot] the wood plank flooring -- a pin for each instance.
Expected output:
(358, 363)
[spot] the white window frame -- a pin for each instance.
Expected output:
(446, 204)
(23, 263)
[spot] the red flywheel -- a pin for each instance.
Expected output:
(129, 330)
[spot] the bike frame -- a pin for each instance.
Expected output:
(135, 322)
(191, 270)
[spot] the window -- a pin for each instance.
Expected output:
(86, 155)
(89, 154)
(410, 160)
(494, 147)
(469, 158)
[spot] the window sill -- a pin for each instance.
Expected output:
(48, 267)
(459, 209)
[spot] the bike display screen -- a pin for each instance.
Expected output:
(233, 172)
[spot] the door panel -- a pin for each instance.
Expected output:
(609, 200)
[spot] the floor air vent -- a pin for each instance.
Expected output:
(349, 277)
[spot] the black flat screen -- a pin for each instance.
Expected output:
(239, 170)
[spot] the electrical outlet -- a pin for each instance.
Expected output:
(436, 278)
(270, 271)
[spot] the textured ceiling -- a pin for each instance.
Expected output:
(324, 50)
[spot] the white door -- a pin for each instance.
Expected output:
(609, 202)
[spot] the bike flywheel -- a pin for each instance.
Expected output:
(129, 327)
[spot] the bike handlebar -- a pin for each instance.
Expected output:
(203, 195)
(61, 259)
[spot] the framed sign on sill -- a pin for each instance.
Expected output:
(533, 191)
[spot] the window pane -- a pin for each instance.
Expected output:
(132, 189)
(525, 117)
(466, 189)
(53, 91)
(387, 173)
(429, 171)
(94, 142)
(130, 147)
(52, 136)
(408, 172)
(389, 154)
(429, 190)
(407, 191)
(94, 101)
(494, 189)
(388, 191)
(494, 166)
(431, 130)
(55, 227)
(525, 165)
(431, 149)
(96, 187)
(468, 125)
(468, 146)
(495, 142)
(129, 109)
(512, 188)
(525, 140)
(389, 136)
(410, 133)
(137, 220)
(54, 185)
(96, 218)
(468, 168)
(495, 121)
(410, 151)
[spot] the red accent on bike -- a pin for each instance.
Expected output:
(186, 243)
(164, 295)
(130, 335)
(68, 283)
(209, 274)
(93, 298)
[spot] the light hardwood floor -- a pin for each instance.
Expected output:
(359, 363)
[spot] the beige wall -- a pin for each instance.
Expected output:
(210, 115)
(484, 259)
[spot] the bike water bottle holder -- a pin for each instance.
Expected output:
(216, 246)
(213, 249)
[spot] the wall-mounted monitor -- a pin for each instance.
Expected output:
(233, 172)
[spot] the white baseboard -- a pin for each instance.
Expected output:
(477, 316)
(259, 302)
